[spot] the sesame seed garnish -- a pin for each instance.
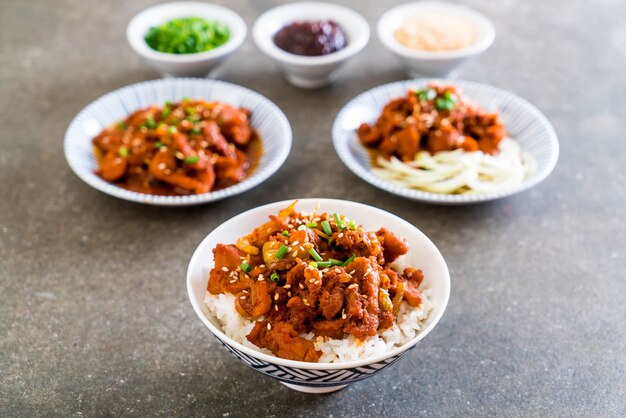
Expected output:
(312, 281)
(301, 228)
(287, 286)
(302, 248)
(262, 266)
(242, 297)
(289, 294)
(161, 166)
(233, 281)
(343, 314)
(325, 271)
(337, 270)
(295, 253)
(260, 279)
(276, 308)
(352, 272)
(276, 296)
(288, 248)
(317, 282)
(340, 235)
(290, 225)
(244, 291)
(225, 269)
(260, 276)
(269, 327)
(296, 243)
(301, 285)
(353, 285)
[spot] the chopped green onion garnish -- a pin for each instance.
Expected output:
(335, 262)
(315, 255)
(426, 94)
(313, 264)
(157, 145)
(274, 277)
(340, 224)
(166, 111)
(123, 152)
(245, 267)
(448, 95)
(172, 130)
(285, 233)
(196, 131)
(311, 225)
(326, 227)
(349, 260)
(192, 159)
(330, 242)
(323, 264)
(352, 225)
(122, 126)
(281, 251)
(150, 123)
(444, 103)
(186, 99)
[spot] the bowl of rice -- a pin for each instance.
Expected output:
(341, 361)
(434, 38)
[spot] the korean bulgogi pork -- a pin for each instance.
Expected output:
(320, 273)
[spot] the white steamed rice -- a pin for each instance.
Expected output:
(407, 325)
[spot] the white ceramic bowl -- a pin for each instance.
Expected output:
(307, 71)
(269, 121)
(185, 65)
(320, 377)
(524, 122)
(430, 63)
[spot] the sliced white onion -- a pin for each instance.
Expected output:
(459, 171)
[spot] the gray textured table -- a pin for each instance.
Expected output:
(536, 321)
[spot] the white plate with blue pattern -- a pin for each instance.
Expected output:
(524, 122)
(268, 120)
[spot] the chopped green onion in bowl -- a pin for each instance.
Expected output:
(188, 35)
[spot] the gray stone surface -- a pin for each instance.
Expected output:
(94, 316)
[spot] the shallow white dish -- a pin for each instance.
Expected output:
(431, 63)
(268, 120)
(307, 71)
(185, 65)
(524, 122)
(320, 377)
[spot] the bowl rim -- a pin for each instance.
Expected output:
(285, 139)
(484, 26)
(218, 333)
(340, 144)
(263, 38)
(237, 27)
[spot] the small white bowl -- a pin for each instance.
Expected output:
(185, 65)
(310, 71)
(433, 63)
(268, 120)
(320, 377)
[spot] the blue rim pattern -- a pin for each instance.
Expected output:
(312, 377)
(525, 123)
(270, 122)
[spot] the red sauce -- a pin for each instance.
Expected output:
(311, 38)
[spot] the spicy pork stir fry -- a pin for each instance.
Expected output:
(191, 146)
(319, 273)
(436, 118)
